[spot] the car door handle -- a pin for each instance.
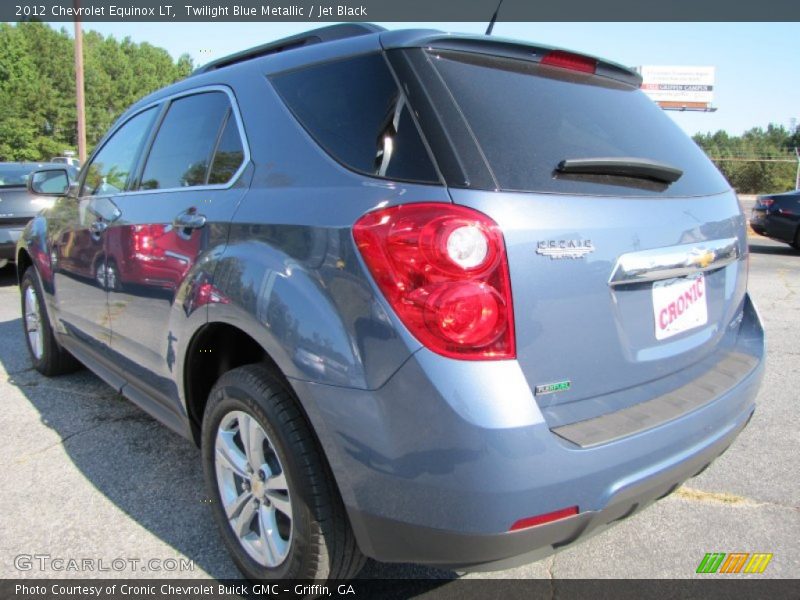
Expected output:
(189, 219)
(98, 227)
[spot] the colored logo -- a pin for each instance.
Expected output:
(702, 257)
(549, 388)
(734, 562)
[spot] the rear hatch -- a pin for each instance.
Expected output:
(622, 275)
(17, 206)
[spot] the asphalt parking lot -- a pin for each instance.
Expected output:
(85, 474)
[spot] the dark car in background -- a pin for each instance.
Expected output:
(423, 297)
(18, 205)
(777, 216)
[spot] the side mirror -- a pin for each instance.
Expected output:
(48, 182)
(72, 191)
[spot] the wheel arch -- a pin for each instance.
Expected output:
(214, 349)
(218, 347)
(24, 261)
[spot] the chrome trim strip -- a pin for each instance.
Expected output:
(175, 255)
(674, 261)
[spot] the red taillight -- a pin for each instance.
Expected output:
(545, 518)
(443, 269)
(144, 240)
(568, 60)
(208, 294)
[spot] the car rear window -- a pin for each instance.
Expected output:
(14, 175)
(355, 111)
(527, 118)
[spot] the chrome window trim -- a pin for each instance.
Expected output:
(165, 100)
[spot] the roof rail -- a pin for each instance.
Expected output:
(315, 36)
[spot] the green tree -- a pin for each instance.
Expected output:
(37, 86)
(758, 161)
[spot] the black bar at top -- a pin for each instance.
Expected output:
(315, 11)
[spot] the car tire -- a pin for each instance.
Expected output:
(47, 355)
(113, 282)
(277, 506)
(100, 272)
(796, 243)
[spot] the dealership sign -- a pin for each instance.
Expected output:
(678, 85)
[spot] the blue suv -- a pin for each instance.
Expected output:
(421, 297)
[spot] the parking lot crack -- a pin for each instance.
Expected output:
(782, 275)
(62, 441)
(22, 384)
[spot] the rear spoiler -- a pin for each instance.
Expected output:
(547, 55)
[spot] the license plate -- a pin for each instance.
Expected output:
(679, 305)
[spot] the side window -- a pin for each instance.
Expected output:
(355, 111)
(183, 150)
(229, 154)
(111, 167)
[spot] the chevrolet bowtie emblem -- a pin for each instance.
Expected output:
(702, 258)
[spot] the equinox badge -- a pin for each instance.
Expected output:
(557, 249)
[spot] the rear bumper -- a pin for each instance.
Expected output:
(773, 225)
(757, 220)
(436, 465)
(395, 541)
(8, 241)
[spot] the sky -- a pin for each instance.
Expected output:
(757, 66)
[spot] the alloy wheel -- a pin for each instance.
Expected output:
(33, 323)
(253, 488)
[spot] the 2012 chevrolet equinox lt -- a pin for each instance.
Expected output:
(421, 297)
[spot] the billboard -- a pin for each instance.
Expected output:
(674, 87)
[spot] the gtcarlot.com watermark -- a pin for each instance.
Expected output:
(48, 563)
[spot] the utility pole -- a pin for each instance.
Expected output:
(80, 104)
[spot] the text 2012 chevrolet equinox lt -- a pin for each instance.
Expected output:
(421, 297)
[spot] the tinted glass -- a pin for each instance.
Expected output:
(182, 151)
(229, 155)
(354, 110)
(50, 182)
(528, 118)
(110, 169)
(14, 175)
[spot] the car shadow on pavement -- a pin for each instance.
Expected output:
(8, 276)
(149, 473)
(777, 250)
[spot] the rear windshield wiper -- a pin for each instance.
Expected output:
(639, 168)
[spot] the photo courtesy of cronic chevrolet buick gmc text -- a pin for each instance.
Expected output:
(420, 297)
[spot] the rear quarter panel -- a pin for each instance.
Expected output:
(291, 271)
